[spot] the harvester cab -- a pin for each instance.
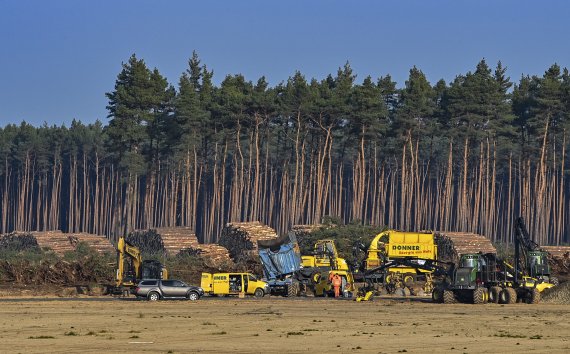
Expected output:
(530, 260)
(468, 274)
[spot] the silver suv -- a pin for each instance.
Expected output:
(155, 290)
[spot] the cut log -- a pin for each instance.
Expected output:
(451, 245)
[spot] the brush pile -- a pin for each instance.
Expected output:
(54, 271)
(303, 232)
(557, 295)
(240, 238)
(451, 245)
(18, 242)
(147, 241)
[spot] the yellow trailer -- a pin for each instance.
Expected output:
(233, 284)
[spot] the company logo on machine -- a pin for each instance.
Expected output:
(405, 248)
(416, 249)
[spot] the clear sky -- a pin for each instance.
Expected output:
(58, 58)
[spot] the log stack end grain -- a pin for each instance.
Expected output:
(176, 239)
(451, 245)
(58, 241)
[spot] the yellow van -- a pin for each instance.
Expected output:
(233, 284)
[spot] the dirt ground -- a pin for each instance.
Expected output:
(277, 325)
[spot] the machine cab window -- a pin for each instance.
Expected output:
(471, 262)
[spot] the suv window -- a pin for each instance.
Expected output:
(177, 283)
(149, 282)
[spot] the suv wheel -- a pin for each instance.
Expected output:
(153, 296)
(258, 292)
(193, 296)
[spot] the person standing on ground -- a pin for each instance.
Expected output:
(337, 282)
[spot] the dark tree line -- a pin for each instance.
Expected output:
(468, 155)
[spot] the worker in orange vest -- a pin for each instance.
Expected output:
(336, 282)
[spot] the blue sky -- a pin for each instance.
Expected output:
(58, 58)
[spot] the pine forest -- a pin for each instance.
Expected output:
(468, 155)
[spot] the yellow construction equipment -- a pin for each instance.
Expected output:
(325, 256)
(131, 268)
(393, 245)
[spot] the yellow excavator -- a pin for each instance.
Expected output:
(131, 268)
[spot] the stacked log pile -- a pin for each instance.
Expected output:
(96, 242)
(451, 245)
(179, 240)
(559, 259)
(557, 251)
(240, 238)
(176, 239)
(56, 241)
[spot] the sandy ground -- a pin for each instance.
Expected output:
(278, 325)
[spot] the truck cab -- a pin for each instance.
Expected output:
(233, 284)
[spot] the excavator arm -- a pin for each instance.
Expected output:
(126, 251)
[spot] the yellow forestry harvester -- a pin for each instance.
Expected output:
(394, 245)
(327, 262)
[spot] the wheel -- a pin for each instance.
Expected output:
(533, 296)
(479, 296)
(508, 296)
(193, 296)
(437, 295)
(154, 296)
(409, 279)
(449, 297)
(494, 293)
(258, 292)
(293, 289)
(554, 281)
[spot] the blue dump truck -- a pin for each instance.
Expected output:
(282, 269)
(290, 274)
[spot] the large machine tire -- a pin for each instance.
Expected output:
(508, 296)
(409, 279)
(437, 295)
(494, 294)
(449, 297)
(554, 281)
(293, 289)
(479, 296)
(533, 296)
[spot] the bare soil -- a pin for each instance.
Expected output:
(276, 325)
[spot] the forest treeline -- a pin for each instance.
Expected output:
(468, 155)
